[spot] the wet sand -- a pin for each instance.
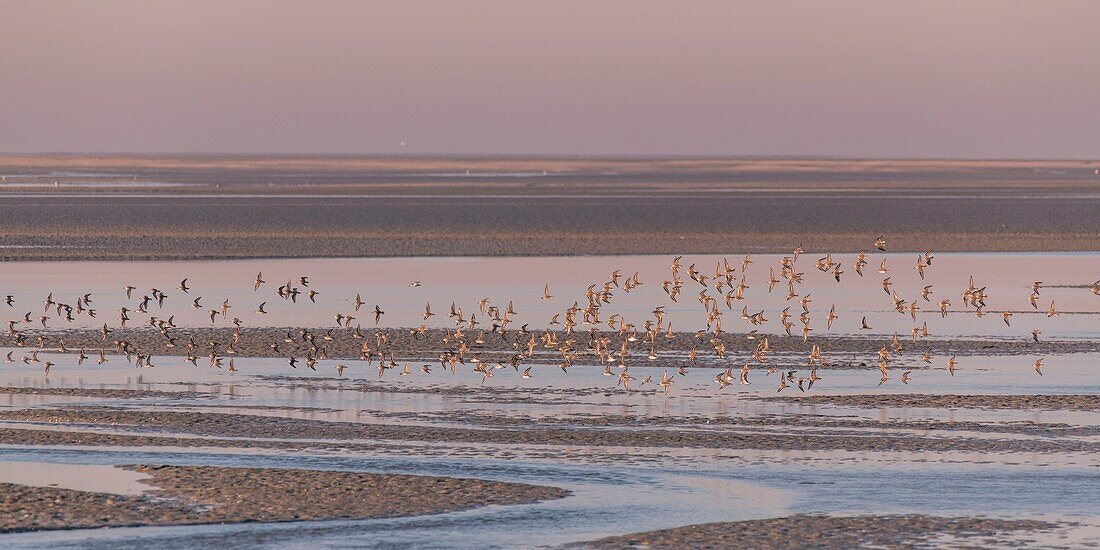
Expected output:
(186, 495)
(406, 346)
(105, 416)
(104, 393)
(732, 420)
(347, 207)
(230, 172)
(1013, 402)
(481, 428)
(269, 207)
(811, 531)
(162, 427)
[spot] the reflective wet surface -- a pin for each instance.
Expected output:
(615, 489)
(1007, 279)
(1031, 462)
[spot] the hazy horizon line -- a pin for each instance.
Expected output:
(548, 156)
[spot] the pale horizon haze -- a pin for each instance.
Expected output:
(977, 79)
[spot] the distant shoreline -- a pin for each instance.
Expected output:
(226, 207)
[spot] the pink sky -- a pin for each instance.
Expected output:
(875, 78)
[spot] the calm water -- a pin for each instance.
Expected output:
(464, 281)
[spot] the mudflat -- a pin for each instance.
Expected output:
(808, 531)
(200, 429)
(995, 454)
(184, 495)
(410, 346)
(65, 207)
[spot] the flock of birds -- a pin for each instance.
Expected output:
(571, 337)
